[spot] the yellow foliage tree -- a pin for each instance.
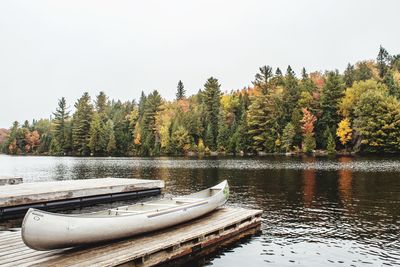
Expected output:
(344, 131)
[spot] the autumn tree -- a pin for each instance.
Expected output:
(353, 94)
(307, 127)
(344, 131)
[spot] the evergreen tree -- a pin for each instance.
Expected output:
(150, 137)
(291, 95)
(362, 72)
(82, 119)
(332, 94)
(349, 74)
(262, 78)
(223, 132)
(330, 143)
(60, 130)
(383, 60)
(102, 106)
(211, 100)
(142, 103)
(392, 85)
(96, 143)
(180, 93)
(111, 146)
(304, 74)
(288, 136)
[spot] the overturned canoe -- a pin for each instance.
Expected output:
(45, 230)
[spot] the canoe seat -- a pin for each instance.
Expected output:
(124, 211)
(186, 200)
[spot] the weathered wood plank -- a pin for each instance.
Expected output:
(20, 194)
(151, 248)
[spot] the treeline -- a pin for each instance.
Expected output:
(358, 110)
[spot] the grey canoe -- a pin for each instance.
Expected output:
(45, 230)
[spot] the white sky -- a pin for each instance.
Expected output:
(50, 49)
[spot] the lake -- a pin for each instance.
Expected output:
(342, 211)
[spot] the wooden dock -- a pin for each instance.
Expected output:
(16, 199)
(185, 240)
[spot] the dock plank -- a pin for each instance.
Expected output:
(144, 250)
(11, 195)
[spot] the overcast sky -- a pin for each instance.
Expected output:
(50, 49)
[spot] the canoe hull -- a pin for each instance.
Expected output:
(44, 230)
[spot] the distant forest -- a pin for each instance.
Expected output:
(354, 111)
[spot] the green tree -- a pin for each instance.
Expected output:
(332, 94)
(262, 78)
(96, 141)
(349, 74)
(61, 142)
(353, 94)
(180, 93)
(111, 142)
(181, 140)
(211, 98)
(291, 93)
(363, 71)
(82, 119)
(102, 106)
(378, 122)
(288, 136)
(151, 142)
(383, 60)
(392, 85)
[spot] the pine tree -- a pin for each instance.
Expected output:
(142, 104)
(223, 132)
(262, 78)
(150, 137)
(304, 74)
(180, 93)
(392, 85)
(211, 100)
(383, 60)
(330, 143)
(332, 94)
(349, 74)
(82, 119)
(102, 106)
(288, 136)
(60, 129)
(95, 135)
(362, 72)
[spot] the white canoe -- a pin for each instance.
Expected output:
(45, 230)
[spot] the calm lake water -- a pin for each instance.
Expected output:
(343, 211)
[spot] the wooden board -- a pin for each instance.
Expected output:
(27, 193)
(145, 250)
